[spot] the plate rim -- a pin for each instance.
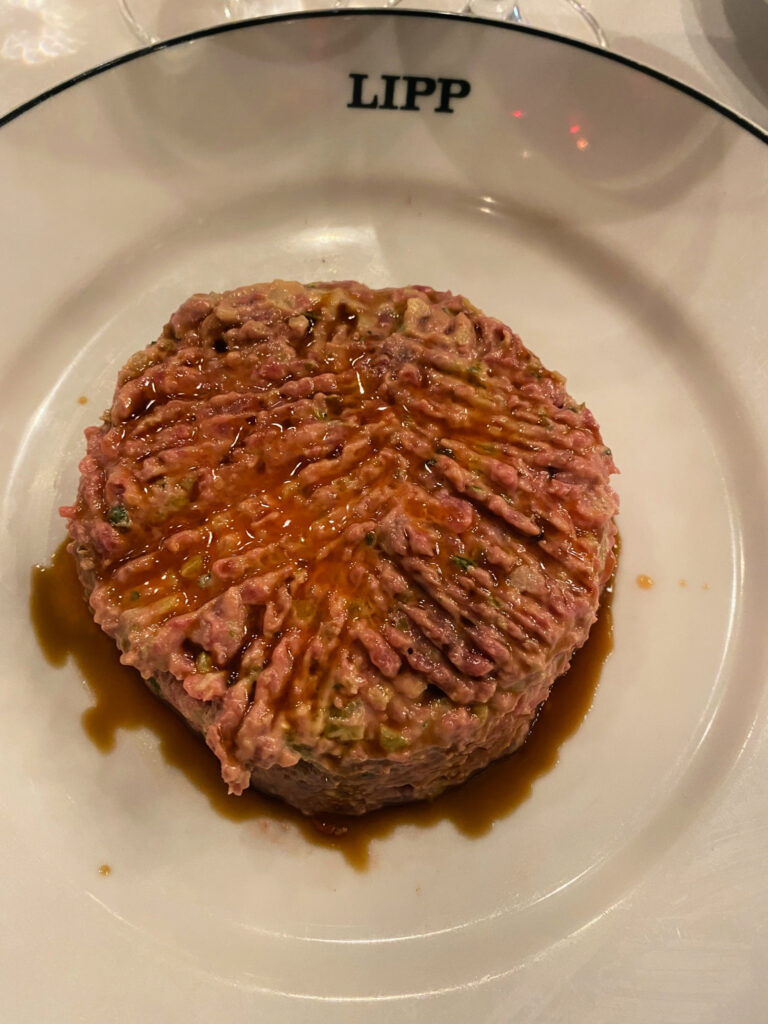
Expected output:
(743, 122)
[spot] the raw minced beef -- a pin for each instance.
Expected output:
(352, 536)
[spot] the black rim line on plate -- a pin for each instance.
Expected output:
(214, 30)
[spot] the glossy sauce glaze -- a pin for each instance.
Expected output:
(66, 630)
(278, 432)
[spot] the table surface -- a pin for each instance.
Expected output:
(717, 46)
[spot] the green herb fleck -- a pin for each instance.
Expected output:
(203, 662)
(391, 740)
(319, 414)
(191, 567)
(252, 674)
(462, 562)
(480, 711)
(153, 684)
(340, 725)
(134, 595)
(442, 450)
(607, 451)
(474, 487)
(431, 463)
(205, 580)
(118, 516)
(370, 539)
(304, 750)
(475, 375)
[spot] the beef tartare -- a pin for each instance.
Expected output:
(351, 535)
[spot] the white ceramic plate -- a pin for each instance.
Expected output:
(617, 222)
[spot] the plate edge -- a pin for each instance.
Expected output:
(214, 30)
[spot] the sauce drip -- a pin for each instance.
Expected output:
(644, 582)
(66, 630)
(105, 869)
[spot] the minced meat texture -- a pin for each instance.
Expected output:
(352, 535)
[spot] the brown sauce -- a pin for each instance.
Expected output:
(105, 869)
(121, 701)
(644, 582)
